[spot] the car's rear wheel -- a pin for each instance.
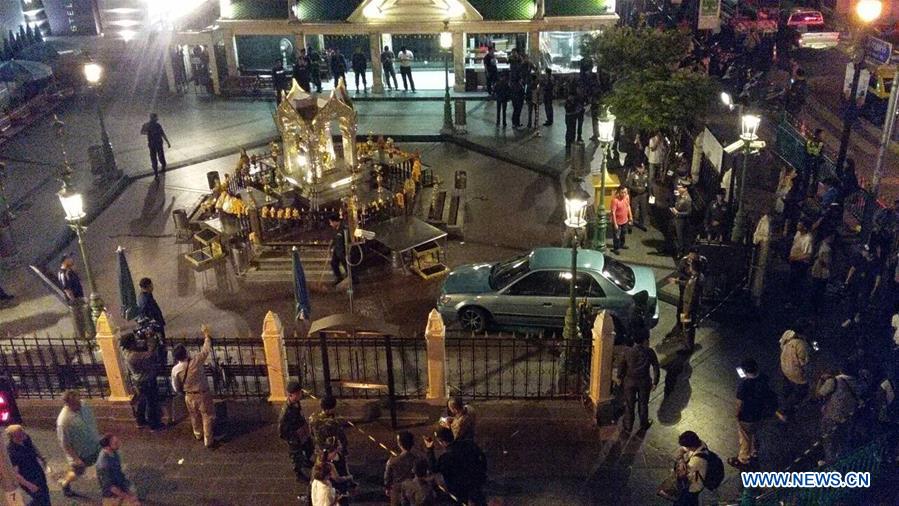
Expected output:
(473, 318)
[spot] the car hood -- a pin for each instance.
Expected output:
(471, 278)
(644, 279)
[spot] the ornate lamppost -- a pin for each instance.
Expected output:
(446, 44)
(749, 127)
(93, 73)
(73, 205)
(606, 136)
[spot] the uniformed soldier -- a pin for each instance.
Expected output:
(813, 147)
(692, 298)
(293, 428)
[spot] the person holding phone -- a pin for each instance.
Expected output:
(322, 492)
(755, 403)
(460, 419)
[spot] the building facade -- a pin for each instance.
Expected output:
(255, 33)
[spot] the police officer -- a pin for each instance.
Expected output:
(683, 205)
(279, 78)
(293, 428)
(637, 184)
(813, 147)
(301, 71)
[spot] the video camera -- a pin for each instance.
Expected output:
(147, 330)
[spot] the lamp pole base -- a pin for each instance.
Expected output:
(602, 227)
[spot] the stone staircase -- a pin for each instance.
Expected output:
(275, 265)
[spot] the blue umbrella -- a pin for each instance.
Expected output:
(127, 295)
(300, 292)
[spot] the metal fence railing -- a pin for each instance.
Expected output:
(43, 367)
(517, 366)
(361, 365)
(236, 367)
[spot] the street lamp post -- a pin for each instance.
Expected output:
(606, 134)
(750, 125)
(73, 205)
(446, 43)
(886, 136)
(867, 11)
(728, 101)
(93, 73)
(576, 200)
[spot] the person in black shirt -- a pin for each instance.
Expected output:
(279, 80)
(548, 96)
(155, 135)
(387, 58)
(861, 283)
(360, 64)
(716, 217)
(70, 283)
(293, 428)
(639, 374)
(338, 249)
(502, 92)
(338, 67)
(491, 70)
(463, 466)
(755, 402)
(301, 71)
(517, 102)
(29, 464)
(315, 71)
(150, 312)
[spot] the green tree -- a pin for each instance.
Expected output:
(648, 90)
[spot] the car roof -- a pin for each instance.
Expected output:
(560, 258)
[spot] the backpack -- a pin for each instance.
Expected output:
(714, 473)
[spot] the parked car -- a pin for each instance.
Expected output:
(811, 31)
(533, 289)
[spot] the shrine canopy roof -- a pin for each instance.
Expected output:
(330, 11)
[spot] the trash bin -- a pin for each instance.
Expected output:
(460, 112)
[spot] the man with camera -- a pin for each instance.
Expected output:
(141, 357)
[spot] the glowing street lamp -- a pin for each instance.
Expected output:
(606, 134)
(867, 12)
(576, 200)
(93, 74)
(73, 206)
(749, 125)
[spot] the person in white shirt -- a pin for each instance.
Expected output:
(322, 492)
(800, 259)
(691, 467)
(655, 152)
(405, 57)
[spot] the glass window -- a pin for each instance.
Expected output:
(587, 286)
(561, 50)
(618, 273)
(503, 273)
(542, 284)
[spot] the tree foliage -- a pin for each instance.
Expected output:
(649, 91)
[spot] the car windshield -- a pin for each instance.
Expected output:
(619, 274)
(503, 273)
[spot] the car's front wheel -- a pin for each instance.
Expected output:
(473, 319)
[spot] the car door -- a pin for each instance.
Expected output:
(531, 300)
(586, 288)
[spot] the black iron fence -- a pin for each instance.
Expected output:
(517, 366)
(361, 365)
(43, 367)
(235, 369)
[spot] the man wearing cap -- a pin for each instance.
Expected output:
(189, 378)
(293, 428)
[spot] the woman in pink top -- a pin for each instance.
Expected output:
(621, 218)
